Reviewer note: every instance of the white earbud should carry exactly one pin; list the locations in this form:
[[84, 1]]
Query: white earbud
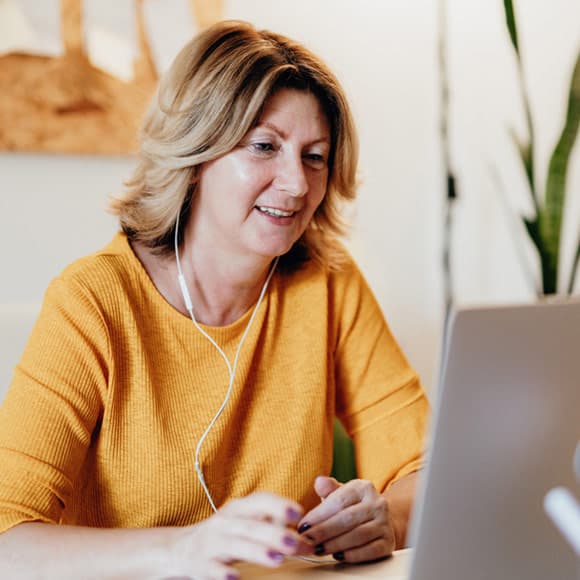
[[564, 511]]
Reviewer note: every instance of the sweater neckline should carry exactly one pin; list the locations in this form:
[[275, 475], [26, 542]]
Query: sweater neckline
[[224, 332]]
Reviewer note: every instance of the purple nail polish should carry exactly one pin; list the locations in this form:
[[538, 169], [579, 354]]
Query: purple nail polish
[[319, 549], [338, 556], [232, 577], [275, 556], [290, 541], [292, 515], [305, 526]]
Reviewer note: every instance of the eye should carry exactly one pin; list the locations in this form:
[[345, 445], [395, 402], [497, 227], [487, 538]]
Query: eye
[[263, 147], [316, 160]]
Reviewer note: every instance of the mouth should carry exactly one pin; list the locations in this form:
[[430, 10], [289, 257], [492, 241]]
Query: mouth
[[275, 212]]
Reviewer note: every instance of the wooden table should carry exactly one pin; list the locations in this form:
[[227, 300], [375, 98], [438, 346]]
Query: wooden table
[[394, 568]]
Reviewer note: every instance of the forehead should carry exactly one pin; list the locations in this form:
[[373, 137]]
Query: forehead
[[292, 108]]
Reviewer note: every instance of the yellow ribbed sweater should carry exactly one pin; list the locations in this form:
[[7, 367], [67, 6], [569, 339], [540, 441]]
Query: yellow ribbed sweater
[[115, 388]]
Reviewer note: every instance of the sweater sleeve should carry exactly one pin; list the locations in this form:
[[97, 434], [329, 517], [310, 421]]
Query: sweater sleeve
[[52, 407], [380, 400]]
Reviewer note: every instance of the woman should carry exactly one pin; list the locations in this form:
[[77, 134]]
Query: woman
[[173, 410]]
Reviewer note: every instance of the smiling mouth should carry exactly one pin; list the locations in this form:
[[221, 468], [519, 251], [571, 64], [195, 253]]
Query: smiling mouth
[[280, 213]]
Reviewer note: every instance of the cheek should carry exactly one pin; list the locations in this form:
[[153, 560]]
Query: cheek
[[247, 174], [314, 203], [233, 174], [319, 192], [239, 170]]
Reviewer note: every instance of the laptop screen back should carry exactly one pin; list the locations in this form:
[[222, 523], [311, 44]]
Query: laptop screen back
[[506, 426]]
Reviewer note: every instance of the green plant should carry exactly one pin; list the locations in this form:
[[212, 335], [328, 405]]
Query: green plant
[[343, 461], [545, 226]]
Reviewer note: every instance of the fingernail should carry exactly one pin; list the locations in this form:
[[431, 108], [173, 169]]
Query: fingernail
[[292, 515], [338, 556], [303, 528], [319, 549], [290, 541], [232, 577], [275, 556]]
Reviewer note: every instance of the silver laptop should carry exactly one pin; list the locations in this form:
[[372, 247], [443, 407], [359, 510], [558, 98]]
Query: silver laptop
[[505, 429]]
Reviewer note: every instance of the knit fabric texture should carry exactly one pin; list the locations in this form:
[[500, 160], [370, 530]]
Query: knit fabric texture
[[116, 387]]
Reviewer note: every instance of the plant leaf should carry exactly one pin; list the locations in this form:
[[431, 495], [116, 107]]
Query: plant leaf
[[533, 229], [549, 277], [510, 21], [550, 220], [574, 271], [517, 230], [523, 148], [525, 152]]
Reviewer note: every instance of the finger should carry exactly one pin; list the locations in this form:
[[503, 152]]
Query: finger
[[375, 550], [270, 536], [217, 570], [265, 506], [246, 550], [341, 498], [355, 538], [324, 486], [343, 522]]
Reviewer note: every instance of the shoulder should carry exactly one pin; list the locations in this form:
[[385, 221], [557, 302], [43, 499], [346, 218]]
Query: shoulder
[[344, 266], [111, 271], [112, 258], [113, 262], [343, 281], [345, 277]]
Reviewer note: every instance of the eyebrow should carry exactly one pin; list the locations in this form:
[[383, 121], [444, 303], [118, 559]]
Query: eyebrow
[[284, 135]]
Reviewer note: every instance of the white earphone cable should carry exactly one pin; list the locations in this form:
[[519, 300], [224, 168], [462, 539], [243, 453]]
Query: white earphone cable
[[231, 367]]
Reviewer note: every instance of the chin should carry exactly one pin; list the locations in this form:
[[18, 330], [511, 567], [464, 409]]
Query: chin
[[269, 245], [274, 250]]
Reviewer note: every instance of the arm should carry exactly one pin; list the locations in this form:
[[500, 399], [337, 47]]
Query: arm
[[47, 423], [400, 497], [69, 552], [252, 529], [380, 402]]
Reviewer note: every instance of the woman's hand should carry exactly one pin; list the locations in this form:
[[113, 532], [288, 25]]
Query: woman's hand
[[251, 529], [353, 522]]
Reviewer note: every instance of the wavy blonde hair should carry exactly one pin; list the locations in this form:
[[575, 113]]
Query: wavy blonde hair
[[211, 96]]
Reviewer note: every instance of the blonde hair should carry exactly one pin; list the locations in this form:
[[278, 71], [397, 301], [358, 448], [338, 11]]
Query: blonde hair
[[211, 96]]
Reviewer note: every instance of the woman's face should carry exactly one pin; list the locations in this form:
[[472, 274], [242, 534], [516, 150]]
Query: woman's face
[[258, 198]]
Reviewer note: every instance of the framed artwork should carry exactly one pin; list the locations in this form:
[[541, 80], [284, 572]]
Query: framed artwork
[[84, 88]]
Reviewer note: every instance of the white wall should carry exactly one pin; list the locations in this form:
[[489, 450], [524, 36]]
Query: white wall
[[485, 102], [52, 210], [52, 207]]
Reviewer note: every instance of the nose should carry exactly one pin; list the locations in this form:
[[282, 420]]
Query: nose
[[291, 177]]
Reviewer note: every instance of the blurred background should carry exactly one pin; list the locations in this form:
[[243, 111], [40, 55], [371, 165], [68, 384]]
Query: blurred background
[[387, 53]]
